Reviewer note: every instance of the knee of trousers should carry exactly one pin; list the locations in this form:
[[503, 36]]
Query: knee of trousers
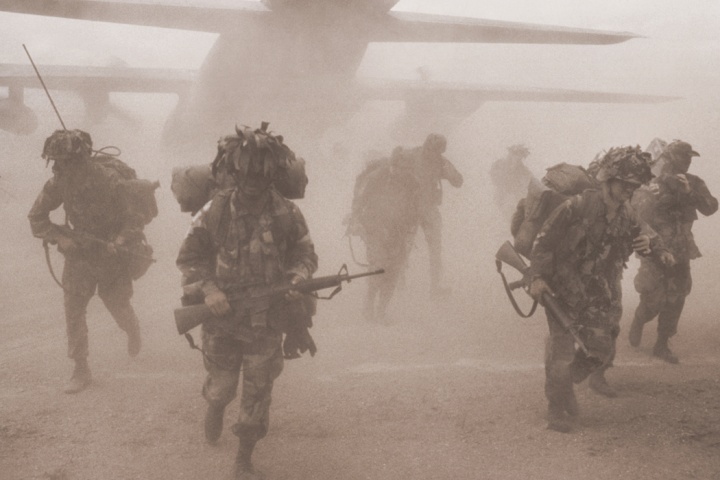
[[220, 387]]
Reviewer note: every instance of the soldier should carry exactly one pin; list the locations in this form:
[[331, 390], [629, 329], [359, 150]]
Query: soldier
[[248, 237], [384, 214], [431, 167], [103, 223], [510, 178], [670, 206], [578, 257]]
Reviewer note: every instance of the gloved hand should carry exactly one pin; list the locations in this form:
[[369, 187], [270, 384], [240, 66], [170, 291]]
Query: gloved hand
[[218, 303], [66, 244], [298, 341], [538, 287], [641, 244]]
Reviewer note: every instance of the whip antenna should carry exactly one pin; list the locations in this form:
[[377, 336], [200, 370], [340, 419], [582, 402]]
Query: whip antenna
[[44, 87]]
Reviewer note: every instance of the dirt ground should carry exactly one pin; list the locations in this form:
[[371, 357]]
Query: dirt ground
[[447, 391]]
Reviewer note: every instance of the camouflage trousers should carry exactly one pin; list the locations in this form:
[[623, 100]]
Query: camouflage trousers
[[566, 365], [662, 294], [81, 277], [259, 362]]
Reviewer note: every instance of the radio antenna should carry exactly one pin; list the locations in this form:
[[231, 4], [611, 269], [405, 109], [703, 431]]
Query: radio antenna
[[44, 87]]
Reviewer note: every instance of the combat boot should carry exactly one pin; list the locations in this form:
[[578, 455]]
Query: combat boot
[[663, 352], [557, 420], [243, 466], [636, 330], [571, 405], [214, 422], [81, 377], [599, 384], [134, 340]]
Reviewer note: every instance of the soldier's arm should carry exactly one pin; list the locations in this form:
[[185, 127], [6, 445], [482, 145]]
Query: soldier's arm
[[48, 200], [196, 259], [451, 174], [701, 197], [542, 258], [301, 259]]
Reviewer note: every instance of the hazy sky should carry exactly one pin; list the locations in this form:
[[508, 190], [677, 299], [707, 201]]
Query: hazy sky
[[678, 56]]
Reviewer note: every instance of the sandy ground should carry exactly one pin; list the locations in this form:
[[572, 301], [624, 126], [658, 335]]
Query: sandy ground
[[449, 390]]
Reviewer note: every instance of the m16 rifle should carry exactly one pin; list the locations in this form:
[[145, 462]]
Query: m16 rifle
[[507, 254], [188, 317]]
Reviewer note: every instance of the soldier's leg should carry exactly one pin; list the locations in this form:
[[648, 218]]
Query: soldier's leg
[[79, 286], [679, 286], [650, 284], [223, 357], [262, 364], [431, 224], [559, 352], [115, 289]]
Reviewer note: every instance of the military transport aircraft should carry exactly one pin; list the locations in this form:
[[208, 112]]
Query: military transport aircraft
[[291, 61]]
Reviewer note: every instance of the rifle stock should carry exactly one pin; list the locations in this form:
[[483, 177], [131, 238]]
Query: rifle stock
[[189, 317], [508, 255]]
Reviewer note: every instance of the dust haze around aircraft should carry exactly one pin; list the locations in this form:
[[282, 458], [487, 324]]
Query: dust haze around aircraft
[[305, 64]]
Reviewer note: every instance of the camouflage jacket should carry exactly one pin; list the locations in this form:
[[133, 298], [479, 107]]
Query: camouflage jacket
[[581, 254], [671, 211], [94, 200], [230, 248]]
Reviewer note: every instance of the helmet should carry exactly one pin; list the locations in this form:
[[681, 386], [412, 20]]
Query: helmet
[[435, 143], [629, 164], [252, 151], [519, 150], [67, 143], [680, 149]]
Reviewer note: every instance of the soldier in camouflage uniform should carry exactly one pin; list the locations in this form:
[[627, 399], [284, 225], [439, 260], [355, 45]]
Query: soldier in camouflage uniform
[[510, 178], [96, 208], [670, 206], [578, 257], [246, 238], [431, 168]]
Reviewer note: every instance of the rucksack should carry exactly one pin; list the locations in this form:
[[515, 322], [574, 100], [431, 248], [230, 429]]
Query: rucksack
[[140, 195], [559, 183]]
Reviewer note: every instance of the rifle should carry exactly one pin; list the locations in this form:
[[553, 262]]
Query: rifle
[[507, 254], [86, 239], [187, 318]]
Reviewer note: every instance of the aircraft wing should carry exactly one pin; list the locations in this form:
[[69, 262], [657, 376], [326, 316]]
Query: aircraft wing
[[110, 79], [417, 27], [465, 93], [373, 26]]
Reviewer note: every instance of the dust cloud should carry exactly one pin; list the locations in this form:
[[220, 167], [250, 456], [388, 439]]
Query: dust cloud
[[476, 324]]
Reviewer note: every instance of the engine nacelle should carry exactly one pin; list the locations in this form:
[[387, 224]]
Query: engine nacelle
[[16, 117]]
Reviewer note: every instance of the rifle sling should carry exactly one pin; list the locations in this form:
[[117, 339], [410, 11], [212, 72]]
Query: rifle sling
[[512, 298], [49, 264]]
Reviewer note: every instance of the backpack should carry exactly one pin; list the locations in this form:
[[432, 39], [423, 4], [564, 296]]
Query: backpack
[[140, 195], [559, 183]]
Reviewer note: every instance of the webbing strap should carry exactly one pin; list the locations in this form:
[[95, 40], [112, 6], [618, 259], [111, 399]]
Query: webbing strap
[[508, 290]]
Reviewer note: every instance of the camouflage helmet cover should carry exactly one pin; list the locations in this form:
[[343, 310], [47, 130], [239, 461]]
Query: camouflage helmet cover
[[629, 164], [67, 143], [519, 149], [257, 151]]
